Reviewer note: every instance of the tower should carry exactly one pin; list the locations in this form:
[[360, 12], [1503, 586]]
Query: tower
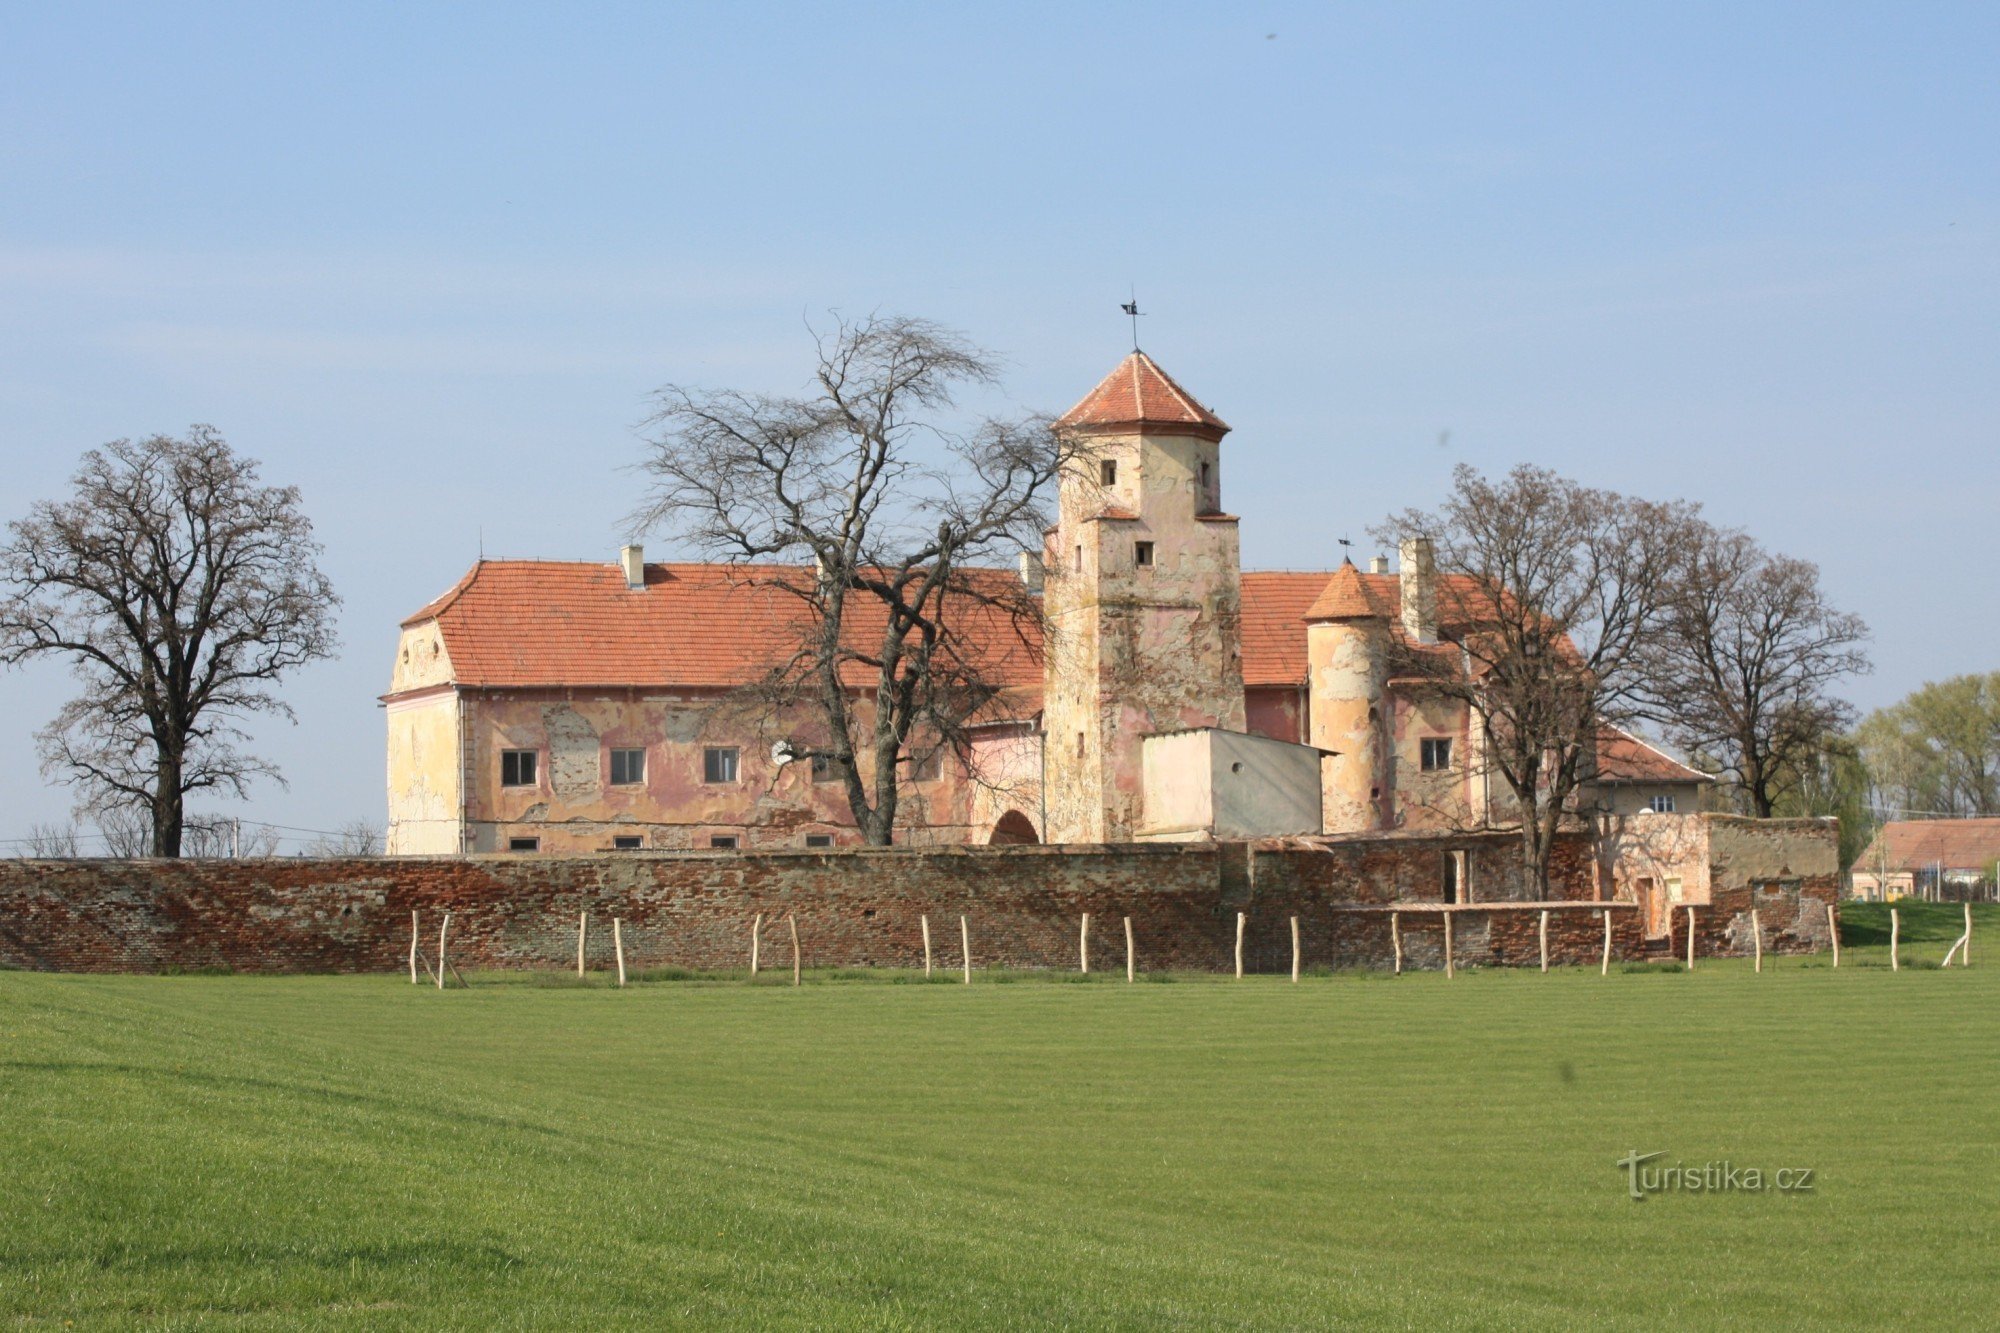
[[1347, 637], [1142, 597]]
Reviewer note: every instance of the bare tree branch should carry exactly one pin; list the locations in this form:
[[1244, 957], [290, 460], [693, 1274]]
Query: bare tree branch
[[887, 520]]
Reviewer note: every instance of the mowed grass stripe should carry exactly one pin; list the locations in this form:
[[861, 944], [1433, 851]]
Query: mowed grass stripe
[[355, 1152]]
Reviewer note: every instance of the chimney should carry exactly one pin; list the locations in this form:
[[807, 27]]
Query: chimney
[[1031, 571], [632, 559], [1378, 564], [1419, 571]]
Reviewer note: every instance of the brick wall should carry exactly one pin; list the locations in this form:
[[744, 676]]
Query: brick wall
[[854, 908]]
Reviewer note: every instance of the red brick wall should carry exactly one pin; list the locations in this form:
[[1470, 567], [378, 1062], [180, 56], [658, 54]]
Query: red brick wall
[[854, 908]]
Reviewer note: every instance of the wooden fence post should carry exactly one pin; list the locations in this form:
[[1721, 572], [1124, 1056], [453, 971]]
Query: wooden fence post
[[1604, 970], [1396, 939], [1129, 965], [1833, 932], [1545, 939], [1690, 939], [1757, 938], [927, 946], [1295, 949], [756, 942], [618, 946], [1447, 944], [965, 948], [1962, 942], [582, 925], [1239, 946], [793, 921], [1895, 938], [1083, 944], [442, 928], [413, 946]]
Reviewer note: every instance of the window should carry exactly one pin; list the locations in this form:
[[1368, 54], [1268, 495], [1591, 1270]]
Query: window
[[825, 768], [1204, 476], [524, 844], [1436, 755], [517, 769], [1662, 805], [723, 842], [1449, 875], [628, 768], [1107, 472], [1079, 559], [627, 844], [718, 764], [1674, 888], [1142, 554], [925, 766], [819, 840], [1079, 745]]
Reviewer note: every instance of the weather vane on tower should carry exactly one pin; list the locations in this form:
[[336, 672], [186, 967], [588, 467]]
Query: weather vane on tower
[[1131, 308]]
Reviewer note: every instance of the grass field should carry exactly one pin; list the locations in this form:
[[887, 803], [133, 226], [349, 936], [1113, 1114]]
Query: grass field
[[356, 1153]]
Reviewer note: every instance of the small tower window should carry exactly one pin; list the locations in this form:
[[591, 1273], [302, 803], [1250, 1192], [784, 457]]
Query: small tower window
[[1107, 472], [1204, 476], [1079, 559], [1142, 554]]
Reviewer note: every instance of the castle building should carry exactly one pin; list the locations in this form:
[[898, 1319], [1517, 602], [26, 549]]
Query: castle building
[[1164, 694]]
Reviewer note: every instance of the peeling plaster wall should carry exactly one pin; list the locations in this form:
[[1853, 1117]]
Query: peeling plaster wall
[[1134, 650], [1645, 853], [1437, 800], [1345, 660], [573, 806], [425, 778], [1276, 711]]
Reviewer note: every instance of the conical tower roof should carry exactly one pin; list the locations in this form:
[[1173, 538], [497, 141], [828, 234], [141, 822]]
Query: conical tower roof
[[1347, 596], [1139, 395]]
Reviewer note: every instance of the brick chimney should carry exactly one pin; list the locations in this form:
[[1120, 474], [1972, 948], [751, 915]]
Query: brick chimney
[[1419, 573], [632, 559]]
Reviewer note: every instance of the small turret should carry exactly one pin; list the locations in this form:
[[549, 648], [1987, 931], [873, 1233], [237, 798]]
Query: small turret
[[1347, 637]]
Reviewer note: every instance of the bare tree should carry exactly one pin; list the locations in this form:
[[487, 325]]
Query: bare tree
[[180, 590], [1556, 588], [357, 837], [885, 509], [126, 832], [1742, 665], [56, 842]]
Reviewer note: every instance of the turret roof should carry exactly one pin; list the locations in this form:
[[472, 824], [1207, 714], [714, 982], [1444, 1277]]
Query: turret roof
[[1139, 393], [1348, 596]]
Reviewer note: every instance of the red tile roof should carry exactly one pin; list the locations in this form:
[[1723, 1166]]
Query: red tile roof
[[529, 623], [1623, 757], [535, 623], [1139, 393], [1919, 844]]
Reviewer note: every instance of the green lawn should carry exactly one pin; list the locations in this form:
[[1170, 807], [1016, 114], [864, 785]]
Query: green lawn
[[355, 1152]]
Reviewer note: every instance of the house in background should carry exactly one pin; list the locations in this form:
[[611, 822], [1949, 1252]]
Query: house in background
[[1947, 859]]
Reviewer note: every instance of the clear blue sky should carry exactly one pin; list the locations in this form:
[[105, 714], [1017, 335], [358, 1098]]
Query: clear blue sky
[[426, 262]]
